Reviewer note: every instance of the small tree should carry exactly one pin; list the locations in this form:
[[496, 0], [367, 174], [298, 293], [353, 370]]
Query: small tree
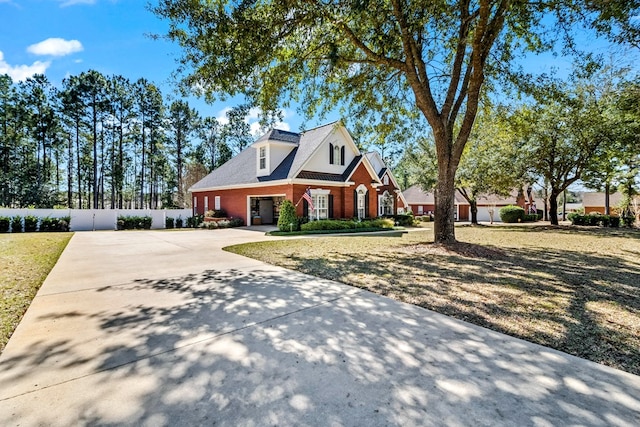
[[287, 219]]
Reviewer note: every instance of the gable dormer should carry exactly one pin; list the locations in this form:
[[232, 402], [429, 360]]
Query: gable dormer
[[272, 149]]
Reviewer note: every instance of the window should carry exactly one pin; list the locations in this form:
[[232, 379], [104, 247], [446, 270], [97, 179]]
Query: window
[[206, 203], [336, 154], [362, 194], [385, 203], [216, 203], [385, 180], [320, 206], [263, 157], [420, 209]]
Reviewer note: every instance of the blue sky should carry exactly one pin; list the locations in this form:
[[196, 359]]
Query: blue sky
[[66, 37], [59, 38]]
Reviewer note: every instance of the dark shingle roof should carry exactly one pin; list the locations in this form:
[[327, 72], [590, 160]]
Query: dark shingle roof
[[321, 176], [280, 135]]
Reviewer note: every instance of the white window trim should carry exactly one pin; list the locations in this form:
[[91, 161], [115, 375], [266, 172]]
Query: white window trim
[[206, 203], [361, 204], [262, 155], [316, 194], [216, 203]]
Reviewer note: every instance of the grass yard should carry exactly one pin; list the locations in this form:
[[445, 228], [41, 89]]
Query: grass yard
[[575, 290], [25, 261]]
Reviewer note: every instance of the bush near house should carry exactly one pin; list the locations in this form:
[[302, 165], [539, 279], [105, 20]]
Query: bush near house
[[530, 218], [216, 213], [334, 224], [179, 222], [225, 223], [403, 220], [288, 221], [169, 222], [512, 214]]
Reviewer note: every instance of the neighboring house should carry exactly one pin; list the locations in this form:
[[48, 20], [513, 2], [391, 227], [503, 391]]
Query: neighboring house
[[594, 202], [423, 203], [281, 165]]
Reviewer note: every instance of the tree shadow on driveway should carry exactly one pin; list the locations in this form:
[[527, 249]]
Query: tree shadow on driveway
[[272, 346]]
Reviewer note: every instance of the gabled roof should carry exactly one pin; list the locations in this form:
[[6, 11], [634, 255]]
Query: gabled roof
[[596, 199], [240, 170]]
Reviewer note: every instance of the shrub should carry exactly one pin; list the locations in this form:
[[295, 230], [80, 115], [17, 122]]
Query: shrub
[[236, 222], [49, 224], [628, 220], [134, 222], [5, 224], [403, 220], [30, 223], [336, 224], [169, 222], [614, 222], [530, 218], [16, 224], [383, 223], [179, 222], [195, 221], [288, 220], [216, 213], [511, 214]]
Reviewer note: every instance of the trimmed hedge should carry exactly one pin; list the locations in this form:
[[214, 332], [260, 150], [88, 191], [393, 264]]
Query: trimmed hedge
[[594, 220], [512, 214], [134, 222], [225, 223], [169, 222], [179, 222], [530, 218], [287, 221], [49, 224], [16, 224], [30, 223], [335, 224]]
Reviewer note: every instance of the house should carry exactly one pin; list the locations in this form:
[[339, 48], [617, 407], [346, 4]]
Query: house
[[594, 202], [282, 165], [391, 201], [423, 203]]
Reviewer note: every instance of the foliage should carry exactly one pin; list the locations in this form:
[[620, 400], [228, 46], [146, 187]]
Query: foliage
[[216, 213], [179, 222], [225, 223], [134, 222], [594, 219], [169, 222], [403, 220], [511, 214], [287, 221], [195, 221], [386, 61], [530, 218], [16, 224], [49, 224], [332, 224], [5, 224], [31, 223]]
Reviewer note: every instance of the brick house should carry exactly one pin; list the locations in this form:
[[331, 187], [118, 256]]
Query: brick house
[[282, 165]]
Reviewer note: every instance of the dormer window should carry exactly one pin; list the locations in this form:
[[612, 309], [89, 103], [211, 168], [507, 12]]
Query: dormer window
[[336, 154], [263, 157]]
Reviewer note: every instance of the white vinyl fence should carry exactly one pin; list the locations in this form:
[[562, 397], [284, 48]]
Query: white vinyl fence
[[101, 219]]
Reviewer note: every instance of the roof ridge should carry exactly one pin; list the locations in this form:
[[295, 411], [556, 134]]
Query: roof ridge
[[320, 126]]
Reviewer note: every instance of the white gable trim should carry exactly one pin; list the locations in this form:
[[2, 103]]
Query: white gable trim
[[369, 168]]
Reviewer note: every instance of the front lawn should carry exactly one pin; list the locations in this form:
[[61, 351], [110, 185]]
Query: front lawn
[[25, 261], [571, 289]]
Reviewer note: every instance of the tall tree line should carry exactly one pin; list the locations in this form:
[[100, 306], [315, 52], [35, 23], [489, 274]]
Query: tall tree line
[[106, 142]]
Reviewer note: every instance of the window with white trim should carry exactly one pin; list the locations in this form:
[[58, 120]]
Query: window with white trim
[[420, 210], [361, 203], [320, 206], [385, 180], [216, 203], [385, 203], [206, 203], [263, 157]]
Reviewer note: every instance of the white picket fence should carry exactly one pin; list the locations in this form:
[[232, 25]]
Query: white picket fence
[[101, 219]]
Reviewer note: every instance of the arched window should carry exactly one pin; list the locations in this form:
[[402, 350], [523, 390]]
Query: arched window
[[385, 203]]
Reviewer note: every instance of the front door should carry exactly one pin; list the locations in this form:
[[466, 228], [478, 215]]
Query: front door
[[266, 211]]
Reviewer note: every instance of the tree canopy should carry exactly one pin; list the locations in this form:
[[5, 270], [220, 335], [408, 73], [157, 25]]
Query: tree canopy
[[377, 60]]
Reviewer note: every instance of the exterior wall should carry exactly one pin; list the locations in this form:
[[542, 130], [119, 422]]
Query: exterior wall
[[464, 213], [600, 210], [234, 201], [320, 160], [392, 190], [425, 209]]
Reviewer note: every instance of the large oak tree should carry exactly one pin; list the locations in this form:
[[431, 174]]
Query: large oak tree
[[378, 58]]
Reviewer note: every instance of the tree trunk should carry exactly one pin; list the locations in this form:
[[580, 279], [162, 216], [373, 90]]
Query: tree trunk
[[607, 191], [553, 206], [473, 207], [444, 226], [70, 174]]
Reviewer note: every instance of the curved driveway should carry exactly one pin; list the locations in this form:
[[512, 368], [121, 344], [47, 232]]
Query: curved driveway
[[164, 328]]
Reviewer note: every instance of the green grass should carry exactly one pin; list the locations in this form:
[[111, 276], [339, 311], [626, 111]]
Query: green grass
[[571, 289], [25, 261]]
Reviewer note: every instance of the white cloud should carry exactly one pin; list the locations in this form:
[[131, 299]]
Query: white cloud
[[65, 3], [253, 118], [55, 46], [22, 72]]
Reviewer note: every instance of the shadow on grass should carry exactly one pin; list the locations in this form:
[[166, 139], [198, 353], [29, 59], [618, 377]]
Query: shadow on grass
[[272, 346], [583, 304]]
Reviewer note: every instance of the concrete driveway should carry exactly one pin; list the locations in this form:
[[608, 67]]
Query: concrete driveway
[[163, 328]]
